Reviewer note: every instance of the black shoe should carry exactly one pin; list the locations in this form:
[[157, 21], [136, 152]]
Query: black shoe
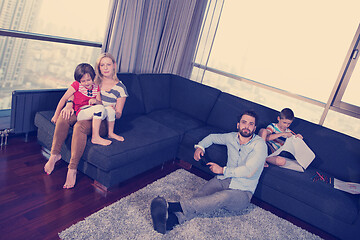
[[159, 214]]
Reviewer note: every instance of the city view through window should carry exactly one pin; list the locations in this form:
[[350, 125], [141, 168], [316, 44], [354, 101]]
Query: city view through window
[[33, 64]]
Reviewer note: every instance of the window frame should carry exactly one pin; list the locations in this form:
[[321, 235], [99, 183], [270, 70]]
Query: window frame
[[335, 102], [47, 38]]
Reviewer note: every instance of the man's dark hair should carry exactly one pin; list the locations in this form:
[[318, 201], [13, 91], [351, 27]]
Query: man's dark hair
[[82, 69], [250, 113], [287, 113]]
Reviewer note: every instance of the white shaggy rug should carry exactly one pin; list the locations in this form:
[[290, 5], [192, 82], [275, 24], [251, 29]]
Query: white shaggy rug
[[129, 218]]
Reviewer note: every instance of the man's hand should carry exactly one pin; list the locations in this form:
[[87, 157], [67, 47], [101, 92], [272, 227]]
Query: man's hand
[[215, 168], [198, 154]]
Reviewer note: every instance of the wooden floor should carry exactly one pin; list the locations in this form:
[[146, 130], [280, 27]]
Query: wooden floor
[[34, 205]]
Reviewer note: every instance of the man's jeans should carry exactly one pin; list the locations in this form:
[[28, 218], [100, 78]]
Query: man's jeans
[[215, 194]]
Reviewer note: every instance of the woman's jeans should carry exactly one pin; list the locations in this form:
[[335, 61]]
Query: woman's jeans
[[81, 130]]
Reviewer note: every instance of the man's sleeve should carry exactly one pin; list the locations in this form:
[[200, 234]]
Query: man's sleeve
[[212, 139]]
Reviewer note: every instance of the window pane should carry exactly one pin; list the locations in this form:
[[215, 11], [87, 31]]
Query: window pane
[[297, 46], [343, 123], [80, 19], [208, 30], [351, 94], [31, 64], [264, 97]]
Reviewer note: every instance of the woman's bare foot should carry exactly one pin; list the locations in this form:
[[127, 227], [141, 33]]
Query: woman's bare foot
[[116, 137], [50, 164], [100, 141], [70, 179]]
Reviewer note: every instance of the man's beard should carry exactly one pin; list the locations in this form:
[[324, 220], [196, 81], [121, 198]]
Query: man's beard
[[248, 133]]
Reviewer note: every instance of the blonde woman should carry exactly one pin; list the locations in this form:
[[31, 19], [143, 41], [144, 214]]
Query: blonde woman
[[105, 75], [113, 92]]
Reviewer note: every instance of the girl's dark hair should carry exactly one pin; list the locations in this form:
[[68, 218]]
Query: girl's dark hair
[[82, 69], [287, 113]]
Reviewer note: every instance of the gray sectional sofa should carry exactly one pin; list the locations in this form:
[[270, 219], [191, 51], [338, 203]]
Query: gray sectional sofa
[[165, 115]]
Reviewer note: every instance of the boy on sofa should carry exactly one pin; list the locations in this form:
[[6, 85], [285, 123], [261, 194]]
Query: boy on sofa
[[276, 134]]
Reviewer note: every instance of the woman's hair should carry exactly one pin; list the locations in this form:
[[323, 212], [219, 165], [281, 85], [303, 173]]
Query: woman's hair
[[98, 77], [82, 69]]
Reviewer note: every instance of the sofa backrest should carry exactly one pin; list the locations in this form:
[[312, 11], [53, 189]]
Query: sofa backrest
[[155, 91], [228, 108], [336, 153], [134, 103], [192, 98]]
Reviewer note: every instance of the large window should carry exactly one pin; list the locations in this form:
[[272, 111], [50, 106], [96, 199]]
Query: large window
[[66, 33], [282, 54]]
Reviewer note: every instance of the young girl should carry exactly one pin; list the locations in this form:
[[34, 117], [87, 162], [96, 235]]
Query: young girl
[[113, 91], [82, 92], [85, 92]]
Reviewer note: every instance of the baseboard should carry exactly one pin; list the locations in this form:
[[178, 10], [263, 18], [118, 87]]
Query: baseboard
[[184, 164]]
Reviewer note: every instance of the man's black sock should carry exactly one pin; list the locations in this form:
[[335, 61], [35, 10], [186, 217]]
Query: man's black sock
[[171, 221], [174, 207]]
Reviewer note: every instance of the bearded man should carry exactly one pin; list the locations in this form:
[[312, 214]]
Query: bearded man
[[233, 186]]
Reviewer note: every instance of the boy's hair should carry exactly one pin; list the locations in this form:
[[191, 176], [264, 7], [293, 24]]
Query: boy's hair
[[99, 76], [250, 113], [82, 69], [287, 113]]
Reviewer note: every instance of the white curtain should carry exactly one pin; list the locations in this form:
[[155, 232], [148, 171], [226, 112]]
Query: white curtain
[[156, 36]]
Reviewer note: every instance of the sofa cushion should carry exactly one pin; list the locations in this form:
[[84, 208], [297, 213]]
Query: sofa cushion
[[228, 108], [155, 91], [134, 102], [317, 194], [143, 136], [192, 98], [175, 120]]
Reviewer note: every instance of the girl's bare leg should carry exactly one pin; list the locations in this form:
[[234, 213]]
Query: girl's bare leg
[[96, 138], [111, 133]]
